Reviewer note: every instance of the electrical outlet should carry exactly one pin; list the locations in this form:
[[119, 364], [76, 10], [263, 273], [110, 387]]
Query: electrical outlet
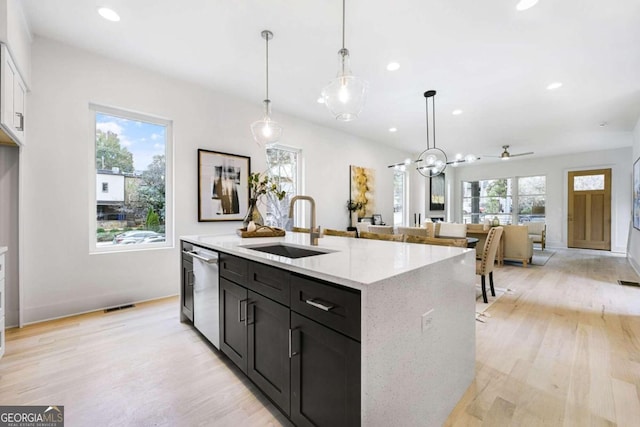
[[427, 320]]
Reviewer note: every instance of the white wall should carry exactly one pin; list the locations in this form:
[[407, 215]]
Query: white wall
[[59, 276], [633, 248], [556, 169]]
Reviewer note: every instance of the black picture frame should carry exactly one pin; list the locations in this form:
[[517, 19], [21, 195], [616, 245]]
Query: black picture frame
[[436, 192], [223, 186], [636, 194]]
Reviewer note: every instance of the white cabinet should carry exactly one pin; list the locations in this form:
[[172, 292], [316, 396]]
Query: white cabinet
[[13, 93], [2, 267]]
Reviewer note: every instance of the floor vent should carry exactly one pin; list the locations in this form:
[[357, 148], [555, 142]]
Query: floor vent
[[627, 283], [122, 307]]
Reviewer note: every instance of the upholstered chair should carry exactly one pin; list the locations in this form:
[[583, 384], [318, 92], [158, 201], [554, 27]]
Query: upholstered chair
[[485, 265], [380, 229], [341, 233], [413, 231], [518, 246], [450, 229], [376, 236], [461, 243], [538, 232]]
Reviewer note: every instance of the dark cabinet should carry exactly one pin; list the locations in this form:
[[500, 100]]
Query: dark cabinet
[[295, 337], [233, 322], [268, 348], [186, 282]]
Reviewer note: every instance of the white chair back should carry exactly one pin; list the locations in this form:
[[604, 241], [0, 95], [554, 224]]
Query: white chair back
[[380, 229], [448, 229]]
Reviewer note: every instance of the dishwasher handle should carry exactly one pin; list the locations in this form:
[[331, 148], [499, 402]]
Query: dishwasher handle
[[195, 254]]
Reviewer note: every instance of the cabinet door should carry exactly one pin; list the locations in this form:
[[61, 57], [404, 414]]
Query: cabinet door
[[233, 322], [325, 376], [13, 92], [186, 294], [268, 348]]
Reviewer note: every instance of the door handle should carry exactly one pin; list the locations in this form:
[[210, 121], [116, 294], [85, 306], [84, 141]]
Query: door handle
[[294, 342], [240, 319]]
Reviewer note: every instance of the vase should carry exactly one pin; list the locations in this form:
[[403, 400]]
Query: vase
[[253, 214]]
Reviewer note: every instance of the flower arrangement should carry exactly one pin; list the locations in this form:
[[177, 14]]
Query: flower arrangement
[[261, 184]]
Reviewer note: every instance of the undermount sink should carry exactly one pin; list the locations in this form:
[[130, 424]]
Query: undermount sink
[[288, 251]]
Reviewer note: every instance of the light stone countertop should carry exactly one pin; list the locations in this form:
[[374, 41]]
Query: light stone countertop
[[3, 249], [353, 262]]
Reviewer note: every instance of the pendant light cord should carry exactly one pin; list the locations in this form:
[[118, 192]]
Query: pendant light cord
[[343, 20], [267, 79], [427, 117], [433, 110]]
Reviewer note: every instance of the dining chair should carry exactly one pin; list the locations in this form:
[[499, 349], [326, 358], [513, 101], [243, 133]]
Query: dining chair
[[450, 229], [460, 243], [414, 231], [377, 236], [380, 229], [486, 264], [341, 233]]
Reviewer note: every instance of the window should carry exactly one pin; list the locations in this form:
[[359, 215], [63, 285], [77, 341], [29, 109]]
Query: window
[[531, 198], [588, 182], [487, 199], [283, 165], [495, 198], [131, 165], [399, 197]]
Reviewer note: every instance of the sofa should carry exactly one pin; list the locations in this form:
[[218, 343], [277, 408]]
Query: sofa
[[518, 246], [538, 232]]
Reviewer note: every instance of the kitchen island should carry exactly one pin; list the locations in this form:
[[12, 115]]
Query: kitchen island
[[417, 317]]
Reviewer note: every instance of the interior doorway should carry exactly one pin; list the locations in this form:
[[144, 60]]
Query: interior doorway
[[589, 210]]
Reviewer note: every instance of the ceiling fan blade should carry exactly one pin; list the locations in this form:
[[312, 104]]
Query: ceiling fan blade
[[521, 154]]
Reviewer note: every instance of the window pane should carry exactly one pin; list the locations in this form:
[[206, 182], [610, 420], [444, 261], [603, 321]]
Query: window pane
[[130, 181], [398, 197], [282, 164], [588, 182], [487, 198], [531, 198]]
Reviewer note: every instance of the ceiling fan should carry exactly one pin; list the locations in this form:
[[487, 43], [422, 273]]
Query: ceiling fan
[[506, 155]]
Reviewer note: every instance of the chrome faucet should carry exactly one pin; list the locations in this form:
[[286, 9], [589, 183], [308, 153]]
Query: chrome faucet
[[313, 232]]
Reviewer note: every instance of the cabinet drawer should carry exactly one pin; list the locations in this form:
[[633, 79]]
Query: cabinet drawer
[[269, 281], [233, 268], [336, 308]]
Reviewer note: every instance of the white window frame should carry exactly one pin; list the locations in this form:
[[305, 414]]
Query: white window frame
[[169, 180], [405, 198]]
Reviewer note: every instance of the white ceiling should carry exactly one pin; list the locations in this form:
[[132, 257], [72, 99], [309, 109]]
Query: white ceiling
[[483, 57]]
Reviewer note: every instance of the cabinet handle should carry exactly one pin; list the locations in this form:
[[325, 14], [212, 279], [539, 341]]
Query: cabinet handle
[[21, 117], [292, 352], [240, 319], [251, 309], [319, 305]]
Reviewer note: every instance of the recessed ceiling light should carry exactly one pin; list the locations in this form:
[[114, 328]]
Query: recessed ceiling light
[[109, 14], [603, 124], [393, 66], [393, 129], [320, 100], [526, 4], [554, 85], [456, 112]]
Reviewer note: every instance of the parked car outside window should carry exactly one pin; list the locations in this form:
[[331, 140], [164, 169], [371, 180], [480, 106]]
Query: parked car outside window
[[136, 236]]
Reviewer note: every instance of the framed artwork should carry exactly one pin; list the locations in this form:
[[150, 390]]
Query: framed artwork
[[636, 194], [436, 192], [223, 186], [362, 189]]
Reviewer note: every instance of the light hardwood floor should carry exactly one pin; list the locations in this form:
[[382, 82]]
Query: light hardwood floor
[[562, 350]]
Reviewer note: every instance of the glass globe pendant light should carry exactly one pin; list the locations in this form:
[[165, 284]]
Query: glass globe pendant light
[[266, 131], [433, 161], [344, 96]]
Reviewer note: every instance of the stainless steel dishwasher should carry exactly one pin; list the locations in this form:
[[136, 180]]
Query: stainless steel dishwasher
[[205, 293]]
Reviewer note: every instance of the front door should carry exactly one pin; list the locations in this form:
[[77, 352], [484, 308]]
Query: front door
[[589, 211]]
